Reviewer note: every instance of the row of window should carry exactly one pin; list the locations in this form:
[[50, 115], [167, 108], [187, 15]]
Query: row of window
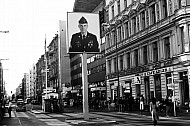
[[89, 60], [76, 76], [163, 6], [137, 22], [95, 57], [97, 69], [140, 56]]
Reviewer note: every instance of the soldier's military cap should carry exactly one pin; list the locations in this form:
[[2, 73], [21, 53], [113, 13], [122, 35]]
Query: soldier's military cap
[[83, 20]]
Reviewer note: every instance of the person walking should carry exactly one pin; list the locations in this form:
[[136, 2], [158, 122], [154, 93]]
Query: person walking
[[120, 104], [168, 105], [10, 108], [109, 103], [153, 111], [141, 104]]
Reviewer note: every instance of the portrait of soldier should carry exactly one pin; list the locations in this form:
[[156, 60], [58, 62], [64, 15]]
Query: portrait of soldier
[[83, 41]]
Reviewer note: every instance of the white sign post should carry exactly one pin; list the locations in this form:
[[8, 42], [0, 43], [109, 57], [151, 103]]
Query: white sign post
[[85, 86]]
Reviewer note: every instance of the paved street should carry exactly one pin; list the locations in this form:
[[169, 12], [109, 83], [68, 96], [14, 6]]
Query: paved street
[[39, 118]]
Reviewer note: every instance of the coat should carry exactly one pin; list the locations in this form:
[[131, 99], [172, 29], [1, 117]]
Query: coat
[[88, 44]]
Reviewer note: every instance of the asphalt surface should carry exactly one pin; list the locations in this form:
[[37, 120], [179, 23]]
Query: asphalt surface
[[74, 116]]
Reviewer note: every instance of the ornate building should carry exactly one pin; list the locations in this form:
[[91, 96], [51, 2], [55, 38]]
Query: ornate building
[[147, 49]]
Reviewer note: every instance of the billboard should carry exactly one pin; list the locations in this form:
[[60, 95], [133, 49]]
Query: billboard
[[83, 33]]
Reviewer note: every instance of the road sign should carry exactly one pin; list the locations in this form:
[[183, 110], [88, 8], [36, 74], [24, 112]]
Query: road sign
[[137, 80]]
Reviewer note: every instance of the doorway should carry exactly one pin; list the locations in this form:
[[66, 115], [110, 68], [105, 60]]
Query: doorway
[[184, 87], [157, 82], [147, 90]]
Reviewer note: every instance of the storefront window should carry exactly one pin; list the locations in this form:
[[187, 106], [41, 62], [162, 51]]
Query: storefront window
[[168, 81], [157, 83], [184, 87]]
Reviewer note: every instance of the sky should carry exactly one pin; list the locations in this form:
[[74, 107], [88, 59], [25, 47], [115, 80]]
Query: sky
[[28, 22]]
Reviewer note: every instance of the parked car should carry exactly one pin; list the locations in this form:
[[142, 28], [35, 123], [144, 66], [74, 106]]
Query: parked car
[[21, 106]]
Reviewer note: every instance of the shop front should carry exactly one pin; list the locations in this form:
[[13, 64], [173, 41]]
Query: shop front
[[160, 82]]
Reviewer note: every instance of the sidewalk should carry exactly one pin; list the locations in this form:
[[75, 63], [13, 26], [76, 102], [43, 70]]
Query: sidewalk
[[75, 116]]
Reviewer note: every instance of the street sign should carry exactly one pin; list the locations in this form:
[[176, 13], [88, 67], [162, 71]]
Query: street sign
[[137, 80]]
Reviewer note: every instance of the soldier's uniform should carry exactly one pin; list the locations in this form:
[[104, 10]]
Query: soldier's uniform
[[86, 43]]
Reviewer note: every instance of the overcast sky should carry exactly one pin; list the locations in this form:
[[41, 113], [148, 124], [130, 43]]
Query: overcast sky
[[27, 22]]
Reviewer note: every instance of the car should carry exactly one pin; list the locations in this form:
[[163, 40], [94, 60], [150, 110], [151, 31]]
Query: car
[[21, 106]]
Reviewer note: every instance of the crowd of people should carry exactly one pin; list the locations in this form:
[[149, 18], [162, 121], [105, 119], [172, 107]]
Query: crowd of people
[[125, 104]]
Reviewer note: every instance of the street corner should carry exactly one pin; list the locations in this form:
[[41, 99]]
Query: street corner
[[91, 121]]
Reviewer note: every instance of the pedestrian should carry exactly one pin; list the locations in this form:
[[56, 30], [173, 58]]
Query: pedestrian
[[120, 104], [153, 111], [109, 103], [10, 108], [168, 106], [141, 104], [126, 104]]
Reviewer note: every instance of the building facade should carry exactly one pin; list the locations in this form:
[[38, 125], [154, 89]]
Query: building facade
[[53, 75], [1, 82], [147, 49], [64, 60], [40, 78]]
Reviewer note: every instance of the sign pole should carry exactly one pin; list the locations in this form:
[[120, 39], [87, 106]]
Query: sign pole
[[85, 86]]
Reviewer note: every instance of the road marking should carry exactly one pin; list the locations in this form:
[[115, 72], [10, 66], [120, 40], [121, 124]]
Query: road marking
[[54, 122], [57, 115], [21, 114], [42, 116]]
